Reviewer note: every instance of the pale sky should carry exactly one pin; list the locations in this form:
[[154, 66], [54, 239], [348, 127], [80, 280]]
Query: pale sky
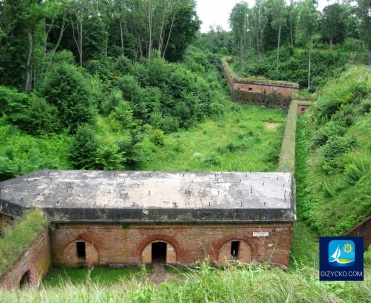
[[216, 12]]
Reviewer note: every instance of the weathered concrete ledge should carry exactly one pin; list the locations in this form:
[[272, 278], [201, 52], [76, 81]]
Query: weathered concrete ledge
[[157, 197]]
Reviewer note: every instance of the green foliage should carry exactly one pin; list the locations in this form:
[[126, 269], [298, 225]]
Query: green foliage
[[17, 238], [223, 143], [12, 103], [109, 157], [158, 138], [84, 149], [238, 283], [336, 178], [133, 150], [8, 169], [294, 66], [66, 88]]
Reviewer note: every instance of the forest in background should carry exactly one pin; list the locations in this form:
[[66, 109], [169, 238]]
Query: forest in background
[[83, 84], [124, 84]]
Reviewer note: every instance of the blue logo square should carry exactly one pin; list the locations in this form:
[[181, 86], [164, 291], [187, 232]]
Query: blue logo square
[[341, 253], [341, 259]]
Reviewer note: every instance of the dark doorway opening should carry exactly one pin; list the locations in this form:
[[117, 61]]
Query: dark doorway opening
[[234, 249], [81, 251], [25, 280], [159, 252]]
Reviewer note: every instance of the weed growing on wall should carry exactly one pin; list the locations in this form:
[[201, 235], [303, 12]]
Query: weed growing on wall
[[18, 238]]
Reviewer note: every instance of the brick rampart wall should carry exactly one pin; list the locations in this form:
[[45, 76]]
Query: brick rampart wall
[[118, 245], [255, 93], [31, 267], [362, 230]]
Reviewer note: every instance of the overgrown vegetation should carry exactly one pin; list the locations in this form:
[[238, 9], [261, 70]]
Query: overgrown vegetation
[[293, 66], [255, 283], [16, 239], [246, 138], [335, 137]]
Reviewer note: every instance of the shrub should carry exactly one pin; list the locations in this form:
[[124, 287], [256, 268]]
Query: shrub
[[109, 157], [355, 171], [158, 137], [84, 147], [66, 88], [212, 159]]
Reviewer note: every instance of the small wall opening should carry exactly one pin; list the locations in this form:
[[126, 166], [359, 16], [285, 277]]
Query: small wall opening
[[25, 280], [234, 250], [81, 250], [159, 252], [250, 89], [235, 245]]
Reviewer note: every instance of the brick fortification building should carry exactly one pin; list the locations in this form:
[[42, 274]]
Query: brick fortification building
[[122, 218]]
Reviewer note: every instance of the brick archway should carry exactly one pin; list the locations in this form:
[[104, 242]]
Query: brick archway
[[217, 245], [69, 254], [174, 250], [234, 250], [80, 253]]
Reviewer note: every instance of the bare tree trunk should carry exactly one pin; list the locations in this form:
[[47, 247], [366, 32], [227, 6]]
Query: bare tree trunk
[[57, 44], [78, 41], [278, 49], [291, 34], [330, 45], [162, 29], [309, 58], [241, 54], [150, 29], [29, 59], [168, 37], [80, 35], [121, 37]]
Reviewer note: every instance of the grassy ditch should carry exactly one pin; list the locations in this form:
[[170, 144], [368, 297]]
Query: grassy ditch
[[246, 138], [254, 283], [17, 239]]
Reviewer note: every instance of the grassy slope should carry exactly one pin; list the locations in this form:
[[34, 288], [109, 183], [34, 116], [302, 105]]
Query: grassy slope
[[245, 139], [336, 133]]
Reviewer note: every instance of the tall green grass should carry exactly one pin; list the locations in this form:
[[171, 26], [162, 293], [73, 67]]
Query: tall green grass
[[334, 142], [254, 283], [246, 138]]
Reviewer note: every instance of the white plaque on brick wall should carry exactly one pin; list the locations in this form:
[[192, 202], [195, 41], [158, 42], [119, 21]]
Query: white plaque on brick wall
[[260, 234]]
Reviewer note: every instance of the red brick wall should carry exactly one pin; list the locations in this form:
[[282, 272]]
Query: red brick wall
[[362, 230], [302, 108], [36, 260], [120, 246], [265, 89], [270, 96]]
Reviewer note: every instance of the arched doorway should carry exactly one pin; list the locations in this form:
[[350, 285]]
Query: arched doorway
[[80, 253], [159, 252], [25, 280], [234, 250]]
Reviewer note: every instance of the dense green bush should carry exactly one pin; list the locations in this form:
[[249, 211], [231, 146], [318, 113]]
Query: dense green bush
[[84, 148], [66, 88]]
